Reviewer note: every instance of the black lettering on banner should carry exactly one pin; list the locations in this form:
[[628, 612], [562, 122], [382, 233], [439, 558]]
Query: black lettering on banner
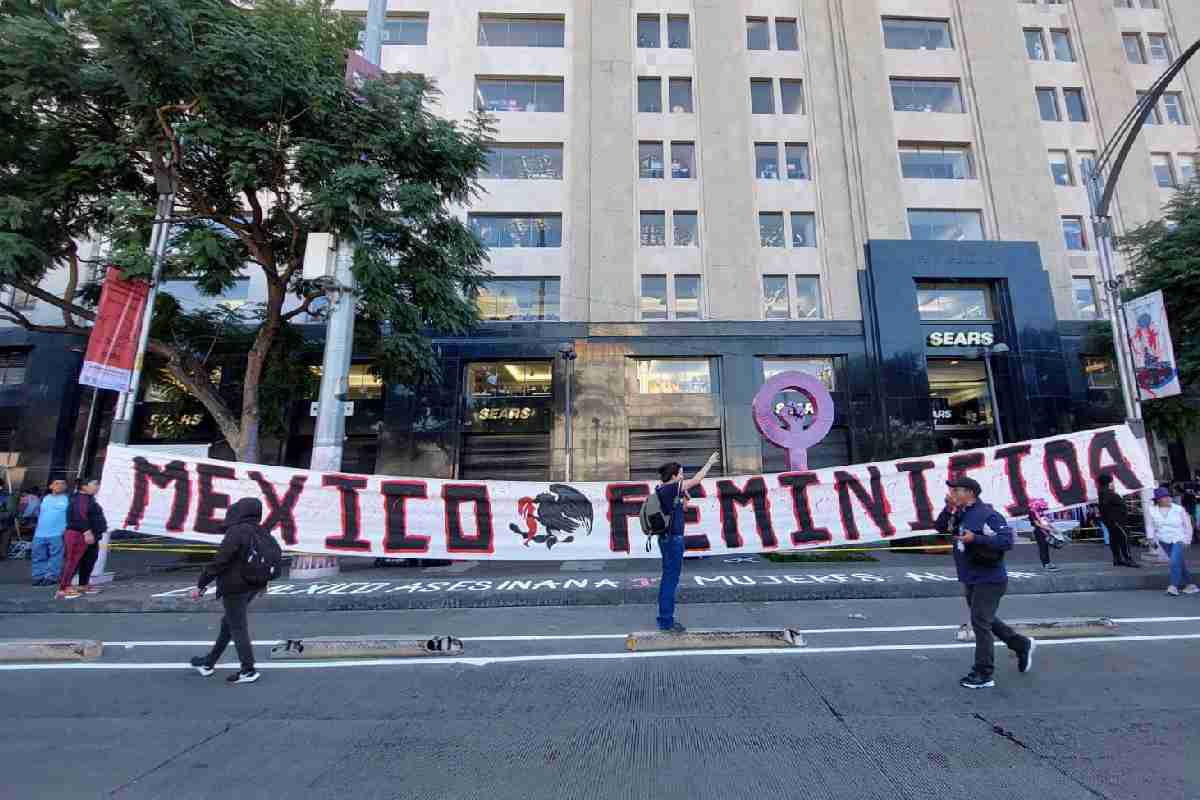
[[1016, 477], [396, 538], [806, 530], [691, 516], [280, 513], [875, 502], [348, 487], [624, 503], [961, 463], [453, 496], [207, 500], [1120, 469], [919, 489], [1061, 452], [144, 474], [754, 494]]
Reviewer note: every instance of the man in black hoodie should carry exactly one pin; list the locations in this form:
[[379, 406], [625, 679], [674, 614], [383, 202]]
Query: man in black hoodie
[[241, 523]]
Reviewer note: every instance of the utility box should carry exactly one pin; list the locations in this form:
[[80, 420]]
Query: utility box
[[320, 257]]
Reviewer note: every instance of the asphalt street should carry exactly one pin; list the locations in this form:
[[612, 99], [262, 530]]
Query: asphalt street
[[547, 703]]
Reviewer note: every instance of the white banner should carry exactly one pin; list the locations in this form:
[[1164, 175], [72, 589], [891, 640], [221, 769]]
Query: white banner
[[380, 516], [1153, 353]]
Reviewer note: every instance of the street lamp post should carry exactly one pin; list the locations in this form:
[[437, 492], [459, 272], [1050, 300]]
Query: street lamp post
[[568, 355]]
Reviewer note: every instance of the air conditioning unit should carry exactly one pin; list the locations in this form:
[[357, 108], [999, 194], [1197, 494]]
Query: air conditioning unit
[[320, 257]]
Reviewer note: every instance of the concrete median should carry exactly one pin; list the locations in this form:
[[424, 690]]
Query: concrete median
[[713, 639], [23, 650], [322, 648], [1068, 628]]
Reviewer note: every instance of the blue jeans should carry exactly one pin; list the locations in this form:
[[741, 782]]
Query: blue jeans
[[1104, 530], [1180, 576], [672, 564], [47, 558]]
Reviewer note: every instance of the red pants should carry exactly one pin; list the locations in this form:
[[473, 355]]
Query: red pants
[[75, 546]]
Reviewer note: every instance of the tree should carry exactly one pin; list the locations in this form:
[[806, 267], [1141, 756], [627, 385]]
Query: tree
[[1165, 254], [240, 110]]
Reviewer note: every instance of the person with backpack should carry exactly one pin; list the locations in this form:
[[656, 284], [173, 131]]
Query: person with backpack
[[247, 560], [666, 522], [85, 526]]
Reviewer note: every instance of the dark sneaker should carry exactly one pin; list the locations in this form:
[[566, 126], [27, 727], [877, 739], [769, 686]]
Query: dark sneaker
[[1025, 656], [243, 677], [201, 666], [1051, 567], [976, 681], [676, 628]]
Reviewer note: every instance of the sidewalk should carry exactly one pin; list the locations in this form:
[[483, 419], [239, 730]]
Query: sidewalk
[[153, 582]]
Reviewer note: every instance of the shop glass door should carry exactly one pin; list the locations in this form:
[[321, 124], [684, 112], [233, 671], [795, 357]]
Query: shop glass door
[[962, 404]]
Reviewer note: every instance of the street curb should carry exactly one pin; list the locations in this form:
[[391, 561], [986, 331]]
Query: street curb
[[329, 648], [25, 650], [1067, 628], [696, 639]]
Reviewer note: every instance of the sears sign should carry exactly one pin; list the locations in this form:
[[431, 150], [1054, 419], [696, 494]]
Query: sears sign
[[961, 339]]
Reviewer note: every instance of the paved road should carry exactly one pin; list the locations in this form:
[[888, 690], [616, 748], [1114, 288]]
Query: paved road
[[870, 709]]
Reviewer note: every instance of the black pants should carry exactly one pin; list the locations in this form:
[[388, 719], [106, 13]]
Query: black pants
[[1043, 545], [88, 562], [1118, 542], [984, 599], [234, 626]]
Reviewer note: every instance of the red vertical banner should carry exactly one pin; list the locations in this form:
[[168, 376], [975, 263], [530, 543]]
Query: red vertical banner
[[112, 346]]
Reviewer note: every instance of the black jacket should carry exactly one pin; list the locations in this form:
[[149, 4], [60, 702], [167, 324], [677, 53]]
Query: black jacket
[[85, 514], [241, 523], [1112, 509]]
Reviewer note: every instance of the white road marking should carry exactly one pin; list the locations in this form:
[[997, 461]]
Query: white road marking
[[621, 656]]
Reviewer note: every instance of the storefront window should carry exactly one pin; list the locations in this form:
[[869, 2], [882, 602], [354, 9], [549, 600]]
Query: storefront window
[[519, 299], [817, 367], [509, 379], [674, 376], [955, 301], [961, 402], [361, 384], [1100, 372]]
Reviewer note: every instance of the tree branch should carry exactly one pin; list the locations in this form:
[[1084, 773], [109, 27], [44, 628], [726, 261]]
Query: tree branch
[[72, 282], [11, 314], [194, 377], [41, 294], [303, 308]]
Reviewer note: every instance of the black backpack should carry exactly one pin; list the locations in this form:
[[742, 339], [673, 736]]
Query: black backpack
[[264, 559]]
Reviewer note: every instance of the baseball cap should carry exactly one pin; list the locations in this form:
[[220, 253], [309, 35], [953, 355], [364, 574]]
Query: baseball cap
[[966, 483], [1161, 492]]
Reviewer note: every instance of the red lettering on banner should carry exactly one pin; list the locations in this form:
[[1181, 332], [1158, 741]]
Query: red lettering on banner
[[1016, 477], [1120, 469], [919, 490], [144, 474], [281, 513], [453, 496], [207, 500], [624, 502], [691, 516], [806, 530], [348, 487], [753, 494], [961, 463], [875, 503], [396, 538]]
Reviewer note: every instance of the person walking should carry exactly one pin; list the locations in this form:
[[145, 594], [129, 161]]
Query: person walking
[[1116, 520], [673, 495], [1043, 532], [1172, 527], [241, 526], [85, 526], [981, 538], [48, 535]]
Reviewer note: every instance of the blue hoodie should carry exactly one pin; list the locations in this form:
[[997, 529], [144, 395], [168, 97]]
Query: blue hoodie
[[991, 533]]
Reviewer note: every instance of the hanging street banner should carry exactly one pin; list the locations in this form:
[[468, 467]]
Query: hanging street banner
[[381, 516], [1154, 363], [112, 345]]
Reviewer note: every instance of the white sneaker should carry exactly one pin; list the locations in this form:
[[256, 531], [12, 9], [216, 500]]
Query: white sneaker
[[1173, 591], [1191, 588], [243, 677]]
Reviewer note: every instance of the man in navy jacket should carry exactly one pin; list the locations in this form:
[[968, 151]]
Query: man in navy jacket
[[981, 538]]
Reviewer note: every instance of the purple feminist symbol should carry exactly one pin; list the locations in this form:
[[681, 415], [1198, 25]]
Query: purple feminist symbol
[[784, 425]]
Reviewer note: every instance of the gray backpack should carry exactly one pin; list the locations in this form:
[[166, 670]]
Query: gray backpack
[[654, 520]]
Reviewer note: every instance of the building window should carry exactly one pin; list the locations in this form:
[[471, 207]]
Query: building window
[[808, 297], [1160, 48], [1076, 108], [820, 368], [1100, 372], [1086, 304], [683, 160], [758, 33], [648, 31], [787, 34], [1035, 45], [1163, 174], [942, 96], [804, 229], [936, 161], [1134, 53], [796, 157], [686, 225], [519, 299], [687, 297], [791, 95], [12, 367], [519, 94], [955, 302], [1187, 168], [517, 230], [1063, 51], [650, 95], [916, 34], [21, 299], [506, 31], [509, 379], [1048, 105], [650, 160], [680, 91], [674, 376], [946, 226], [410, 29], [762, 96], [770, 229], [1173, 104], [1073, 234], [1060, 168], [1087, 164], [1155, 116], [654, 297], [766, 160], [362, 384], [190, 297], [654, 228], [524, 162], [679, 35], [776, 304]]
